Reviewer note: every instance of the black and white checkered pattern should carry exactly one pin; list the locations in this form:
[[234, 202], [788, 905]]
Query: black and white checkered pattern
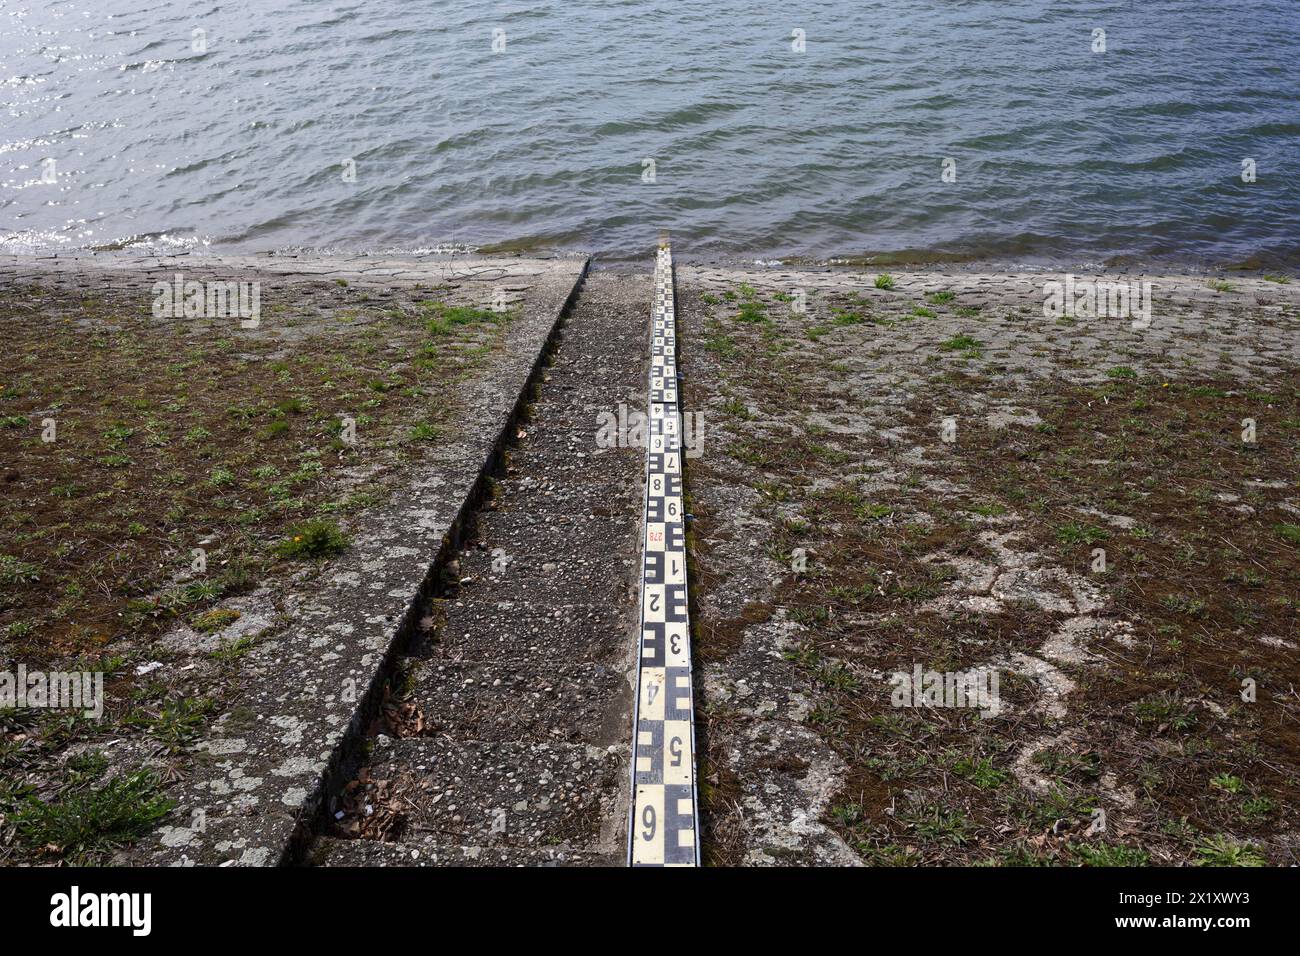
[[663, 829]]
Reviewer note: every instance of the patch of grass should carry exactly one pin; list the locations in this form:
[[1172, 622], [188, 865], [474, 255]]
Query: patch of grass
[[723, 346], [318, 538], [1257, 809], [233, 650], [85, 824], [424, 432], [1279, 279], [1109, 854], [275, 429], [14, 572], [1288, 532], [884, 281], [14, 421], [215, 620], [981, 773], [735, 408], [849, 317], [867, 511], [443, 318], [963, 342], [940, 298], [179, 722], [1073, 533], [1226, 781], [1222, 850], [921, 312], [1218, 285], [940, 825], [1183, 604], [1121, 371], [1164, 708]]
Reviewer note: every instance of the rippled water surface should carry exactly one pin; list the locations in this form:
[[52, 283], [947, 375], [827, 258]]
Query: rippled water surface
[[760, 151]]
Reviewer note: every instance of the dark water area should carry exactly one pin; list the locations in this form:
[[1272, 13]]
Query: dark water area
[[528, 127]]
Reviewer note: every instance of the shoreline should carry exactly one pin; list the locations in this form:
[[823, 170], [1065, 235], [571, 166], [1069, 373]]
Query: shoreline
[[917, 261]]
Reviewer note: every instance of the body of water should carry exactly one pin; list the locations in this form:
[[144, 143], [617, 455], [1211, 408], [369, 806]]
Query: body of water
[[991, 130]]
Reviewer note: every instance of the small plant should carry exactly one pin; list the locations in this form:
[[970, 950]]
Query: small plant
[[867, 511], [318, 538], [810, 614], [847, 815], [1289, 532], [884, 281], [1221, 850], [1228, 782], [215, 620], [1255, 810], [837, 676], [1218, 285], [1164, 709], [964, 343], [230, 651], [179, 722], [1106, 854], [1121, 371], [14, 571], [940, 825], [981, 773], [424, 432], [118, 434], [1183, 604], [1072, 533], [939, 298]]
